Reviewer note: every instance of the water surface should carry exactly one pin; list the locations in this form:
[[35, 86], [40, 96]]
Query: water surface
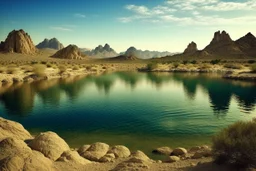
[[139, 110]]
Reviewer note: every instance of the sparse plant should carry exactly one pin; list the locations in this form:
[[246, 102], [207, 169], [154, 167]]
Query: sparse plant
[[233, 66], [2, 69], [12, 70], [62, 69], [251, 61], [184, 62], [176, 64], [236, 145], [76, 67], [39, 69], [193, 62], [253, 68], [215, 61], [151, 66], [27, 68]]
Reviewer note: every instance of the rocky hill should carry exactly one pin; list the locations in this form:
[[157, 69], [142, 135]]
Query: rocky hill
[[52, 44], [223, 45], [247, 44], [191, 48], [102, 52], [69, 52], [18, 42], [132, 51]]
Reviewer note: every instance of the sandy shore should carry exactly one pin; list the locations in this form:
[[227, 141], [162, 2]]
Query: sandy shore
[[19, 150]]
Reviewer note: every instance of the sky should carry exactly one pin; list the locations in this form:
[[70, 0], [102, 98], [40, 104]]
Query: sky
[[162, 25]]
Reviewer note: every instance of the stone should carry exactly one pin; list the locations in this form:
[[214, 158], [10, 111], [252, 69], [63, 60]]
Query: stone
[[202, 153], [69, 52], [194, 149], [50, 144], [13, 129], [179, 151], [120, 151], [73, 156], [163, 151], [107, 158], [83, 148], [19, 42], [96, 151], [173, 159]]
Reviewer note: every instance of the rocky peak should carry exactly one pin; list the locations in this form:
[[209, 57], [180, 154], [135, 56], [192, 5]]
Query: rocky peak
[[107, 47], [52, 44], [247, 44], [191, 48], [19, 42], [70, 52], [221, 37]]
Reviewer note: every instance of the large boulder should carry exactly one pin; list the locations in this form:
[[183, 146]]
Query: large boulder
[[120, 151], [96, 151], [179, 151], [50, 144], [163, 151], [13, 129], [19, 42], [83, 148], [73, 156]]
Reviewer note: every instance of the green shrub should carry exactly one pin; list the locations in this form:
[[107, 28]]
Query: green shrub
[[193, 62], [184, 62], [251, 61], [176, 64], [215, 61], [62, 69], [253, 68], [233, 66], [152, 66], [39, 69], [236, 145]]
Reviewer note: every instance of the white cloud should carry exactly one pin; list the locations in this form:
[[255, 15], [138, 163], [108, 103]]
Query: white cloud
[[125, 19], [138, 9], [231, 6], [78, 15], [60, 28]]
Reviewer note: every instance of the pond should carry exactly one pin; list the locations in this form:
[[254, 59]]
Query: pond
[[140, 110]]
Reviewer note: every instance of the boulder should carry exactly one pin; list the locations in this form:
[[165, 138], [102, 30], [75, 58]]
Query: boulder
[[163, 151], [13, 129], [194, 149], [12, 163], [50, 144], [173, 159], [96, 151], [202, 153], [83, 149], [109, 157], [120, 151], [73, 156], [179, 151], [19, 42]]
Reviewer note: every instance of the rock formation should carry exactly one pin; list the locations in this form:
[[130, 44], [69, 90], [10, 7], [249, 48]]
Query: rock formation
[[52, 44], [132, 51], [19, 42], [223, 45], [102, 52], [13, 129], [247, 44], [191, 48], [69, 52]]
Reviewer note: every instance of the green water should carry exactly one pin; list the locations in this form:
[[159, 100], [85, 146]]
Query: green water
[[140, 110]]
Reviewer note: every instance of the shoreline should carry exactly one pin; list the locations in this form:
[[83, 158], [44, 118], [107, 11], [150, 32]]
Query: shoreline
[[54, 151]]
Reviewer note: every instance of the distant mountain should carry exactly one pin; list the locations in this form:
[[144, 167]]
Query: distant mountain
[[52, 44], [125, 58], [102, 52], [132, 51], [69, 52], [18, 41], [82, 50], [223, 45], [247, 44]]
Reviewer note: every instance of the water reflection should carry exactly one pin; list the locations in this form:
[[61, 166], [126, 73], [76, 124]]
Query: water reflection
[[19, 99]]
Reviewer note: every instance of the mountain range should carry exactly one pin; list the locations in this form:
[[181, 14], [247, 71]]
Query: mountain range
[[51, 44], [101, 52]]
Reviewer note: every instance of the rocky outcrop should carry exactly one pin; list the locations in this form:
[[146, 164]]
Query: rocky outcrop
[[223, 45], [102, 52], [52, 44], [132, 51], [19, 42], [163, 151], [69, 52], [247, 44], [13, 129], [120, 151], [191, 48], [179, 151], [50, 144], [74, 157]]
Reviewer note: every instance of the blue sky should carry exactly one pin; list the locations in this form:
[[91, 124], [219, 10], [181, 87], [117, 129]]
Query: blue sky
[[164, 25]]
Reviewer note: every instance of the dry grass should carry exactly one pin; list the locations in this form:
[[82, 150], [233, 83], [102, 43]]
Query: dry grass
[[39, 69]]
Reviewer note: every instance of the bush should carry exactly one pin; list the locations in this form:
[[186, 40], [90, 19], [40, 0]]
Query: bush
[[233, 66], [216, 61], [62, 69], [253, 68], [39, 69], [251, 61], [176, 64], [76, 67], [152, 66], [236, 145], [12, 70], [193, 62]]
